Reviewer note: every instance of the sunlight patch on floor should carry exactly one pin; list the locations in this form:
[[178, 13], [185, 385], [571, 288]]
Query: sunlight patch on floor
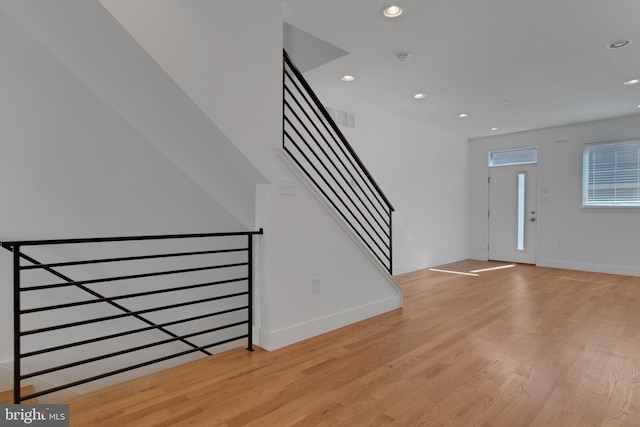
[[500, 267], [470, 269], [453, 272]]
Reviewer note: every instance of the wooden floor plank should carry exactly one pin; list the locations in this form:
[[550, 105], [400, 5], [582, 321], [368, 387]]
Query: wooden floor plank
[[504, 346], [6, 397]]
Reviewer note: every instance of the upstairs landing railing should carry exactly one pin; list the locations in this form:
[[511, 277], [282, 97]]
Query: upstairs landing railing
[[131, 299], [315, 143]]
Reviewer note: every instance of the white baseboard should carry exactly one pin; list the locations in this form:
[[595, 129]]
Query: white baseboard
[[407, 268], [449, 259], [479, 256], [42, 383], [410, 268], [273, 340], [596, 268]]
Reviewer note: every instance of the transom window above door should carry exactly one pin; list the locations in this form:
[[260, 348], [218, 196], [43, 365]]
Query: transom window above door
[[516, 156]]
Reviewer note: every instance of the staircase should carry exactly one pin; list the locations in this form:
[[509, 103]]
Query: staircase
[[313, 141], [125, 87]]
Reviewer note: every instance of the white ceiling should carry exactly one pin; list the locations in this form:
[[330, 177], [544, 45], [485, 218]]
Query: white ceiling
[[547, 58]]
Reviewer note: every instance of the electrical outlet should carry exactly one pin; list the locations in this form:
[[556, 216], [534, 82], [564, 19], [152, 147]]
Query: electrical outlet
[[315, 285]]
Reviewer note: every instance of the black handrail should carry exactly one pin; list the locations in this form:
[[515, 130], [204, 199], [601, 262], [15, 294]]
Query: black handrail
[[317, 146], [337, 143], [125, 238], [226, 267], [335, 140], [322, 151], [326, 115]]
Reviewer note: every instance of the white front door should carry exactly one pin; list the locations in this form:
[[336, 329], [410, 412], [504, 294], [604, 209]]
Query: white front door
[[513, 213]]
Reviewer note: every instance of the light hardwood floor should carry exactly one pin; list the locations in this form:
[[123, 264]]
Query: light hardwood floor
[[519, 346], [6, 397]]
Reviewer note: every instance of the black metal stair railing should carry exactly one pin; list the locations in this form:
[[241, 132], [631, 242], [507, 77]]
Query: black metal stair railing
[[55, 322], [315, 143]]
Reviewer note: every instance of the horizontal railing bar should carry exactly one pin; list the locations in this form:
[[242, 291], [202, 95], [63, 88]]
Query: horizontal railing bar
[[334, 136], [132, 313], [375, 241], [134, 295], [128, 350], [361, 203], [376, 226], [125, 238], [323, 120], [135, 258], [15, 247], [339, 211], [335, 206], [129, 368], [97, 295], [132, 276], [324, 112], [131, 332], [335, 167]]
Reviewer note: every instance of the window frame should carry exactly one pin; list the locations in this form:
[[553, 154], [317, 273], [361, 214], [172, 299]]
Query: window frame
[[534, 149], [587, 150]]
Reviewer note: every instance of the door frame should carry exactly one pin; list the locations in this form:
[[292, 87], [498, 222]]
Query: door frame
[[539, 202]]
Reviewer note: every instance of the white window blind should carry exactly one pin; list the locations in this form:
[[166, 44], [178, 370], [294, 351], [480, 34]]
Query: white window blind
[[611, 174]]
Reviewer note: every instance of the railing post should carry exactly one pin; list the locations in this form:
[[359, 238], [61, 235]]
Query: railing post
[[284, 84], [391, 242], [250, 292], [16, 325]]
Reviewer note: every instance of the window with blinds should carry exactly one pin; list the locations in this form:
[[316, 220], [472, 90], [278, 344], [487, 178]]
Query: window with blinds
[[611, 174]]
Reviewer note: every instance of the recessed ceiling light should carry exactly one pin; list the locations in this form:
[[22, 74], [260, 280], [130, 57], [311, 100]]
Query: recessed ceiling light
[[463, 115], [494, 128], [419, 96], [631, 82], [392, 11], [347, 78], [619, 44]]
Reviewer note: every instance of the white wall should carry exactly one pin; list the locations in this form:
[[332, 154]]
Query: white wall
[[228, 57], [70, 166], [424, 173], [96, 49], [569, 236]]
